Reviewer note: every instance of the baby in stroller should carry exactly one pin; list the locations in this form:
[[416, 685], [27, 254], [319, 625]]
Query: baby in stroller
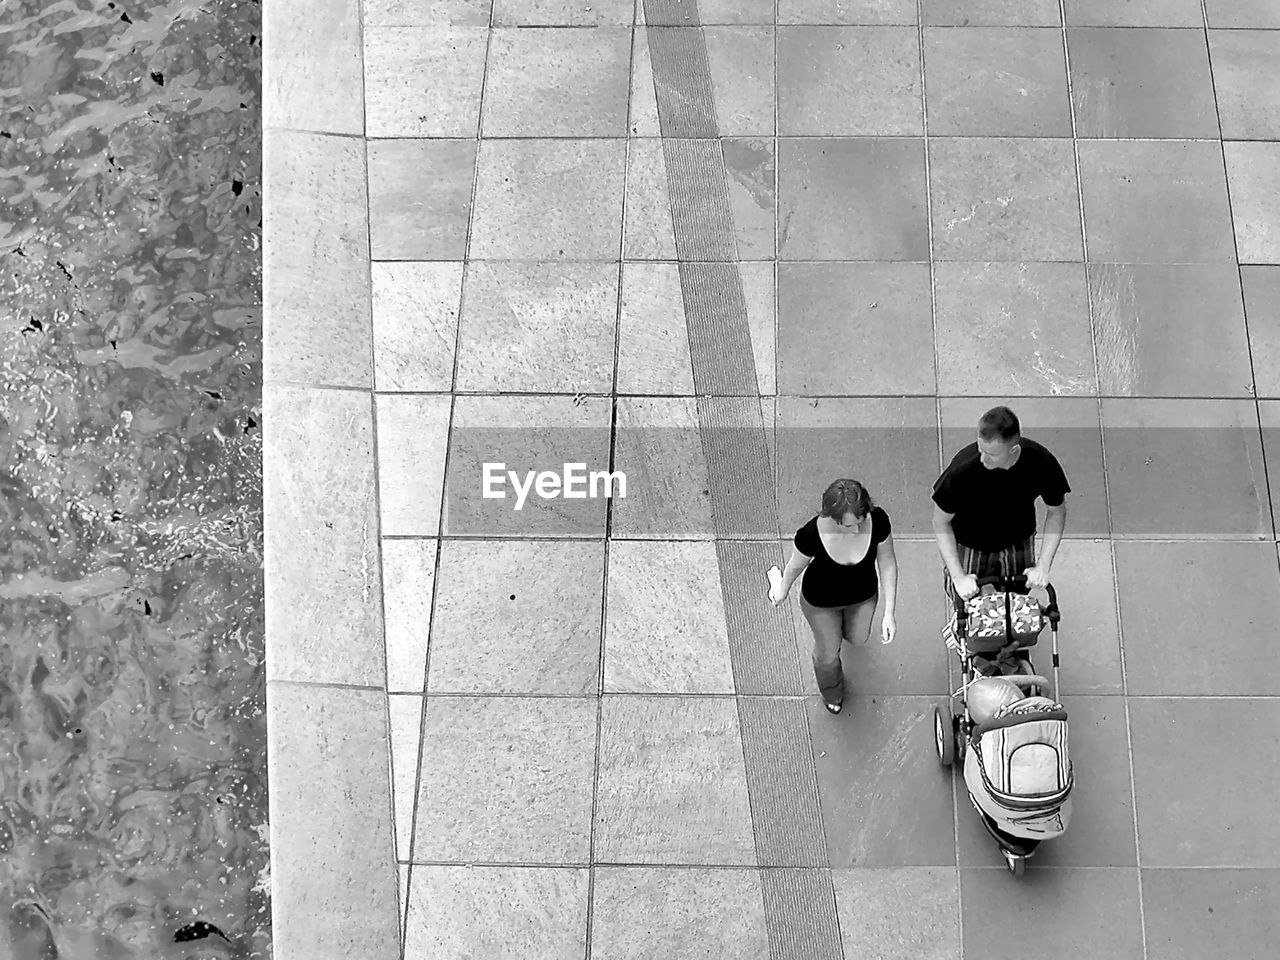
[[1012, 740]]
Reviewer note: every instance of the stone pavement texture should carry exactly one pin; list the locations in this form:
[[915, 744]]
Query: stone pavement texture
[[738, 248]]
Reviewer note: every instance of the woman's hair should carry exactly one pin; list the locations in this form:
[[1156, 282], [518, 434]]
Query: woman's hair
[[999, 423], [846, 496]]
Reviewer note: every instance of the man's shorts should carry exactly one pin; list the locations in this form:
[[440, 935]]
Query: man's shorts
[[1009, 562]]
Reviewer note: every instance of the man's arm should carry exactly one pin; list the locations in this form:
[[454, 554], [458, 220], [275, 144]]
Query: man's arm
[[946, 538], [1055, 522]]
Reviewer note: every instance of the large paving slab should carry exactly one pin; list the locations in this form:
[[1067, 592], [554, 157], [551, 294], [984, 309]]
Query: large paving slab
[[415, 324], [320, 488], [996, 82], [1149, 83], [1215, 444], [1021, 329], [1004, 198], [420, 198], [538, 328], [518, 616], [312, 79], [1000, 916], [682, 648], [561, 13], [548, 199], [1248, 91], [329, 777], [1197, 823], [1252, 171], [509, 780], [653, 334], [413, 433], [666, 912], [672, 783], [1174, 645], [424, 81], [1136, 13], [557, 83], [318, 279], [519, 436], [1262, 313], [1166, 330], [883, 308], [408, 580], [885, 800], [1242, 13], [1155, 202], [899, 913], [426, 13], [852, 199], [658, 445], [501, 912], [1233, 916], [849, 81]]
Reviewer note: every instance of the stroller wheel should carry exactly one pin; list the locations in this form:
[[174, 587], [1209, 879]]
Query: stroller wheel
[[1017, 865], [944, 736]]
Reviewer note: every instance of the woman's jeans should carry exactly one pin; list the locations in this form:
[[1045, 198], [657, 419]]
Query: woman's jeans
[[832, 625]]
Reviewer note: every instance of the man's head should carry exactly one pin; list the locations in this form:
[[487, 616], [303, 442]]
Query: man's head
[[999, 436]]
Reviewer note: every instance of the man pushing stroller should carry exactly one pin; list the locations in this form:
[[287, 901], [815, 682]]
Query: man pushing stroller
[[984, 515], [1012, 740]]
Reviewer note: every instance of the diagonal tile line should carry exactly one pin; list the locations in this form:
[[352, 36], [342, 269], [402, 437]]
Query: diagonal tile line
[[777, 749]]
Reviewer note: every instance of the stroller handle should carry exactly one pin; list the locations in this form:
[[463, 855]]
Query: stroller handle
[[1018, 582]]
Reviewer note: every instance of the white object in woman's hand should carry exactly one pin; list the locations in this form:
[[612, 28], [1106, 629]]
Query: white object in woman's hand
[[776, 593]]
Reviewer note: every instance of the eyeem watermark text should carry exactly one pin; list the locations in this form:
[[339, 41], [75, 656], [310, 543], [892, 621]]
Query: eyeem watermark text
[[573, 482]]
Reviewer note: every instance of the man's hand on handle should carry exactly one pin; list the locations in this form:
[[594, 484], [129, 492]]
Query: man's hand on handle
[[1037, 576], [966, 586]]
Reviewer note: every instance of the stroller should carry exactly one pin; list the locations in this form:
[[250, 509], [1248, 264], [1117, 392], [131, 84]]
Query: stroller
[[1016, 765]]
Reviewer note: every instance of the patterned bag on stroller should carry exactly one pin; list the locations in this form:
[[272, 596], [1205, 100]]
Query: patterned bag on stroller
[[995, 620]]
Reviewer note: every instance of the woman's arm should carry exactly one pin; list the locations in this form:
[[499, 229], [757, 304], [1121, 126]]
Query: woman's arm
[[887, 563], [795, 567]]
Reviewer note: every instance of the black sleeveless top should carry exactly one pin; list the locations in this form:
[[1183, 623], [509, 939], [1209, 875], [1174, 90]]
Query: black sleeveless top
[[827, 583]]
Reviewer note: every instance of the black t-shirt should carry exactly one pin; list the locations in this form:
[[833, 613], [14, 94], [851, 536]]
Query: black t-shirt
[[995, 509], [830, 584]]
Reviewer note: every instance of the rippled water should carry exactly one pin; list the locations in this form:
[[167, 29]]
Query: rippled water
[[132, 728]]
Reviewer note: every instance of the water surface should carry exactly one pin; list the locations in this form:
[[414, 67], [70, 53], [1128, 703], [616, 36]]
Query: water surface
[[132, 728]]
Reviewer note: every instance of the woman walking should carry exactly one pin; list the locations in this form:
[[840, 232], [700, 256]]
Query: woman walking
[[843, 554]]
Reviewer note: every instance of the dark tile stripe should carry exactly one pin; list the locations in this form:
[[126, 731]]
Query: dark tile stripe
[[800, 913], [782, 782], [715, 310], [672, 13], [682, 82], [738, 468], [762, 641], [701, 213], [781, 779]]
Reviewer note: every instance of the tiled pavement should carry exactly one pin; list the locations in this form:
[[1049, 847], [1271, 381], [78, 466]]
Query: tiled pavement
[[520, 229]]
